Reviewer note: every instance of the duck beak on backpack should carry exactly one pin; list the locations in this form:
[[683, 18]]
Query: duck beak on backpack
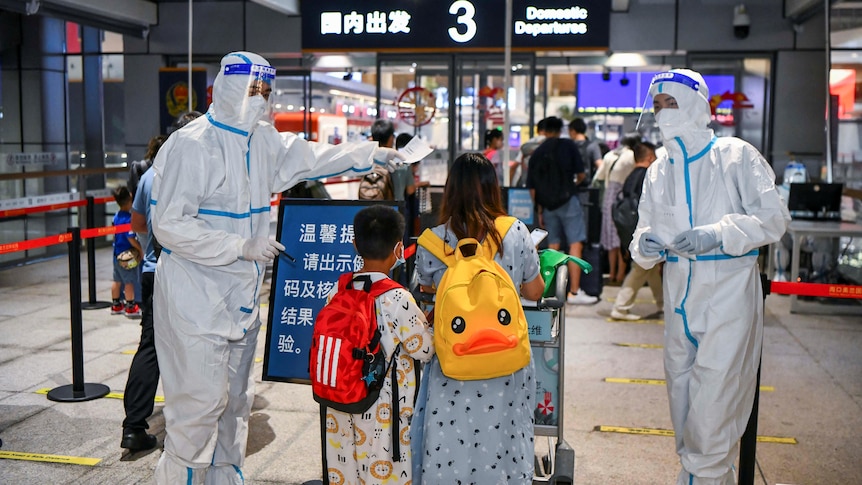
[[485, 341]]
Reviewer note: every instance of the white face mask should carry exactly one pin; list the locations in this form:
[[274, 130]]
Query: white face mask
[[671, 122], [399, 260], [255, 109]]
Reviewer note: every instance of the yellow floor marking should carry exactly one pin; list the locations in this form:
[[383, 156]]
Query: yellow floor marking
[[110, 395], [643, 320], [647, 431], [130, 352], [640, 346], [660, 382], [258, 359], [669, 432], [777, 439], [626, 380], [72, 460]]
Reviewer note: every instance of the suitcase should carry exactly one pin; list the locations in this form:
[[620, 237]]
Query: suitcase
[[591, 204], [592, 283]]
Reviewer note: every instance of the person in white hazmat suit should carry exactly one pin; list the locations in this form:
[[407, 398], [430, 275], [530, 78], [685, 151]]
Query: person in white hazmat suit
[[211, 213], [708, 204]]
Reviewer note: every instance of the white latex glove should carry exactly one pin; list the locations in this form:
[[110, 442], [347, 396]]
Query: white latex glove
[[698, 240], [650, 244], [260, 249], [390, 156]]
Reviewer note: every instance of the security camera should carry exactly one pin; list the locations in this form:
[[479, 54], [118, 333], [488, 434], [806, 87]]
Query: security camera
[[624, 81], [741, 22]]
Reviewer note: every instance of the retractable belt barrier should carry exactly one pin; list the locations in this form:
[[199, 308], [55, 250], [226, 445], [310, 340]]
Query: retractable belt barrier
[[825, 290], [79, 390]]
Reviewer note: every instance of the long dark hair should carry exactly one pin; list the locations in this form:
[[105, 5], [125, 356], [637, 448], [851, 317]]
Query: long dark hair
[[472, 200]]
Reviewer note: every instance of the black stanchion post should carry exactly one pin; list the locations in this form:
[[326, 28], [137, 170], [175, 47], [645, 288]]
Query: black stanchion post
[[78, 390], [92, 304], [748, 442]]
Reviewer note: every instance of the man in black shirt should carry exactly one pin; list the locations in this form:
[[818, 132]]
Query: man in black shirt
[[567, 218]]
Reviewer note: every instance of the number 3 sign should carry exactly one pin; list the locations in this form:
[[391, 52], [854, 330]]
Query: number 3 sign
[[416, 106]]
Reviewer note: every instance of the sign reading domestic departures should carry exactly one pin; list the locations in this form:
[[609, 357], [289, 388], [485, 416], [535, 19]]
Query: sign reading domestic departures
[[399, 26]]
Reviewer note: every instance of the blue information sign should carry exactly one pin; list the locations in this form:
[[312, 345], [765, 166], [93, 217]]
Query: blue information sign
[[520, 204], [318, 235]]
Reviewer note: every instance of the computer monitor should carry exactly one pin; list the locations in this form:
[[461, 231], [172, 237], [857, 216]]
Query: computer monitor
[[815, 201]]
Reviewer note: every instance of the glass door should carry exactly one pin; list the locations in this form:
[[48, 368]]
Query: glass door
[[481, 101], [414, 92]]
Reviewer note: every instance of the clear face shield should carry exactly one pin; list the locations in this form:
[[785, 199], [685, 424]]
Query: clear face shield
[[656, 100], [257, 104]]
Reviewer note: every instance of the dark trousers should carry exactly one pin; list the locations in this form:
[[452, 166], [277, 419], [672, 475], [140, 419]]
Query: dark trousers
[[144, 372]]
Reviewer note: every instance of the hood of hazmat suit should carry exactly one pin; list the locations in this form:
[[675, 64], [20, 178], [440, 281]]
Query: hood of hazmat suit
[[722, 187]]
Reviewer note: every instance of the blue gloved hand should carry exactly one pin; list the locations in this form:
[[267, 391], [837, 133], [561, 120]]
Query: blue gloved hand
[[650, 244], [698, 240]]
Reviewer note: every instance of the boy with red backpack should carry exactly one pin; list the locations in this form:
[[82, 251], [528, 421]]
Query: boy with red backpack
[[365, 373]]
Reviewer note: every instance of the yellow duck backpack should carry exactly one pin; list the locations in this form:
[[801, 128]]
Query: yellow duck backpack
[[480, 331]]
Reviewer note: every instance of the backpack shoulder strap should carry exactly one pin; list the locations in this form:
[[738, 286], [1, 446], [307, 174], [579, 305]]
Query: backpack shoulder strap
[[380, 287], [344, 280], [437, 247], [503, 224], [445, 253]]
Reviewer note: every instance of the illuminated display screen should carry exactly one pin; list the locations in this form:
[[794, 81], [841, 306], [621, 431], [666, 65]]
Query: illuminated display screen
[[595, 95]]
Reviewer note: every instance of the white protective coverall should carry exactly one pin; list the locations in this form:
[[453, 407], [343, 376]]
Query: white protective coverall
[[713, 301], [211, 195]]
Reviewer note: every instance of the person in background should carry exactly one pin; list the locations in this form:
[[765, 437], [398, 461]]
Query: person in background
[[488, 423], [140, 393], [708, 204], [495, 151], [126, 279], [567, 221], [210, 211], [522, 161], [359, 447], [612, 173], [637, 275], [493, 142], [137, 168], [383, 132], [590, 152]]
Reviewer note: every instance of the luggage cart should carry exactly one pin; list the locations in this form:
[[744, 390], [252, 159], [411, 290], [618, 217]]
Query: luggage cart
[[546, 319]]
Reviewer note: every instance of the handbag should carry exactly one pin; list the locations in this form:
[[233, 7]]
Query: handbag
[[625, 216], [128, 259]]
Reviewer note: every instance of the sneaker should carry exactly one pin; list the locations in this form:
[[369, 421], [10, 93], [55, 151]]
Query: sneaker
[[624, 315], [659, 315], [117, 309], [133, 311], [581, 298]]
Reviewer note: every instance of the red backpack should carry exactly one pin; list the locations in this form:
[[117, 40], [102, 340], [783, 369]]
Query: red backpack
[[347, 364]]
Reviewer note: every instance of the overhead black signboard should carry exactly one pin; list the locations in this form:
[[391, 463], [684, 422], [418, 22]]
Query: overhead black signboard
[[434, 25]]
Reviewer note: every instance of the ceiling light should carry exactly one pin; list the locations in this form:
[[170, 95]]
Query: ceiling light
[[625, 59]]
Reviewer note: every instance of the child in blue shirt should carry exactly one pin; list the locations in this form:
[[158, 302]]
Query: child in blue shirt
[[126, 270]]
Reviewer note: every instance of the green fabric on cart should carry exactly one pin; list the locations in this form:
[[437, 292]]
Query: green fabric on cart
[[550, 260]]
